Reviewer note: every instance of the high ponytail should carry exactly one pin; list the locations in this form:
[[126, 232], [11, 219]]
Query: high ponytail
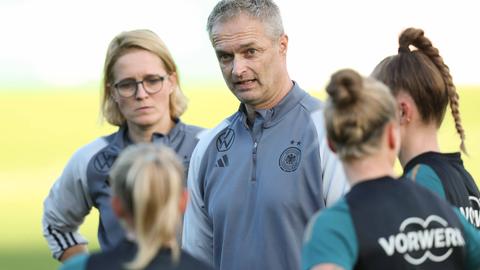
[[425, 76], [357, 110]]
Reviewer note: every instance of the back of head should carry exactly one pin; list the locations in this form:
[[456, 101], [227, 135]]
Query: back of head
[[356, 113], [148, 179], [124, 43], [422, 74], [265, 11]]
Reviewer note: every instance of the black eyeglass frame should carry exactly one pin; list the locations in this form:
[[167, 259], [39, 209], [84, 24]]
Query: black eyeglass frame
[[134, 93]]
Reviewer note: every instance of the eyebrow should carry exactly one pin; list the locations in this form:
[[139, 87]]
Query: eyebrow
[[247, 45], [241, 47], [145, 76]]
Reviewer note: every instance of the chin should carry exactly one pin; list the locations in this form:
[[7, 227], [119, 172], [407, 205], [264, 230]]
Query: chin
[[145, 121], [247, 98]]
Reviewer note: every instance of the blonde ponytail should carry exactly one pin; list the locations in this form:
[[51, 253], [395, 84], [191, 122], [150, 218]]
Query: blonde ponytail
[[150, 187]]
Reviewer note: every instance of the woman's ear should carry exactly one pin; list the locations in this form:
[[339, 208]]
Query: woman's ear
[[393, 136], [172, 79], [331, 146], [113, 94], [183, 200], [405, 113], [406, 107], [117, 207]]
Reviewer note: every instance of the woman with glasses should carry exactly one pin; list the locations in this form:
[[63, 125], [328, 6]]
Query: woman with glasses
[[141, 95], [149, 197], [382, 222]]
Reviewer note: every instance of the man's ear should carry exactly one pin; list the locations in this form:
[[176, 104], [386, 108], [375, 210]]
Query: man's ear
[[183, 200], [283, 44]]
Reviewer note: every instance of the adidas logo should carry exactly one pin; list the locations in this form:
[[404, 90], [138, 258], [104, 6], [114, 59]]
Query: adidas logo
[[222, 162]]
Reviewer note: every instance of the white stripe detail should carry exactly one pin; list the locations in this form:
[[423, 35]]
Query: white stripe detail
[[68, 201]]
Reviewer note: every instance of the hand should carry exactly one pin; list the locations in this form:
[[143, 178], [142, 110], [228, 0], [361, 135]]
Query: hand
[[72, 251]]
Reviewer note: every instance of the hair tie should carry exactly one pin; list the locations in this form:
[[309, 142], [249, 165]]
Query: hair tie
[[403, 49]]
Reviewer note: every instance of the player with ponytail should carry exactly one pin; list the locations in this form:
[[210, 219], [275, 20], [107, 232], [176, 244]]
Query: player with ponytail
[[423, 87]]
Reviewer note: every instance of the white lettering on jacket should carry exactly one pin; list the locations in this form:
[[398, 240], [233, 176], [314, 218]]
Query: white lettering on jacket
[[426, 239], [472, 214]]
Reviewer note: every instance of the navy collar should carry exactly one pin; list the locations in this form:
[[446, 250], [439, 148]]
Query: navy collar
[[451, 157]]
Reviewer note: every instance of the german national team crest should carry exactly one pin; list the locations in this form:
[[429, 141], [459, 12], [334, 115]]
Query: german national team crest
[[290, 159], [103, 161], [225, 140]]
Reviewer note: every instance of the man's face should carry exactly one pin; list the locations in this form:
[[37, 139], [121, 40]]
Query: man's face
[[252, 62]]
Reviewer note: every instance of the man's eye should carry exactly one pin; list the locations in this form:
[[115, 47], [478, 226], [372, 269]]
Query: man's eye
[[225, 57], [251, 51]]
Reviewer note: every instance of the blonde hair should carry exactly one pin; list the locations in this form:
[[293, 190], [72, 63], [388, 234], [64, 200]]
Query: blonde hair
[[356, 112], [123, 44], [423, 74], [148, 179]]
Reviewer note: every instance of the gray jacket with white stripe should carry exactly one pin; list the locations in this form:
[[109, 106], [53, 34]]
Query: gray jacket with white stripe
[[253, 189], [84, 184]]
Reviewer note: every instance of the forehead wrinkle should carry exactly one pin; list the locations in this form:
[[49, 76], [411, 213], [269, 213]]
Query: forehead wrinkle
[[219, 39]]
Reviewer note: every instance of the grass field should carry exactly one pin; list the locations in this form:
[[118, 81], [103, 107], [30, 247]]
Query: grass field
[[42, 130]]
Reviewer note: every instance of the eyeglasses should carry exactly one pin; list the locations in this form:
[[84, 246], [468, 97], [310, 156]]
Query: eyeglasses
[[129, 87]]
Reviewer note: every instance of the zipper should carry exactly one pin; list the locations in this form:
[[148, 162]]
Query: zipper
[[256, 131], [254, 157]]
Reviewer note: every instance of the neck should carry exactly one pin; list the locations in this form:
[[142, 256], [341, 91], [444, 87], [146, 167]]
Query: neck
[[139, 134], [368, 168], [284, 88], [421, 139]]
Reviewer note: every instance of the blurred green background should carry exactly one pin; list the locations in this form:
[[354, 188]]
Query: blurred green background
[[42, 130]]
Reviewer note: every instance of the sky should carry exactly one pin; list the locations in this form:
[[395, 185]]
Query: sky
[[63, 43]]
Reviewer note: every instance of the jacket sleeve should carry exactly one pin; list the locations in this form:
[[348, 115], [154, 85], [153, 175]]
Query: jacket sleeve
[[335, 183], [330, 238], [66, 206], [197, 236]]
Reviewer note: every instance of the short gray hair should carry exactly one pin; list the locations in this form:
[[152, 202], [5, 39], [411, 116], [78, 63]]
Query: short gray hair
[[265, 11]]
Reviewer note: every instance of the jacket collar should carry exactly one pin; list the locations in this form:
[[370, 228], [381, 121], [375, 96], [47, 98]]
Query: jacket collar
[[121, 140], [273, 115]]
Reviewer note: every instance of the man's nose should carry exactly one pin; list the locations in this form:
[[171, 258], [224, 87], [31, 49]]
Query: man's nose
[[239, 66]]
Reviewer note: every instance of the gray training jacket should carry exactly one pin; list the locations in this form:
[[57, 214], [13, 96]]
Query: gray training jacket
[[252, 191], [84, 184]]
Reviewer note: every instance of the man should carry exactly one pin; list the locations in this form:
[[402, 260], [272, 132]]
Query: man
[[257, 178]]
